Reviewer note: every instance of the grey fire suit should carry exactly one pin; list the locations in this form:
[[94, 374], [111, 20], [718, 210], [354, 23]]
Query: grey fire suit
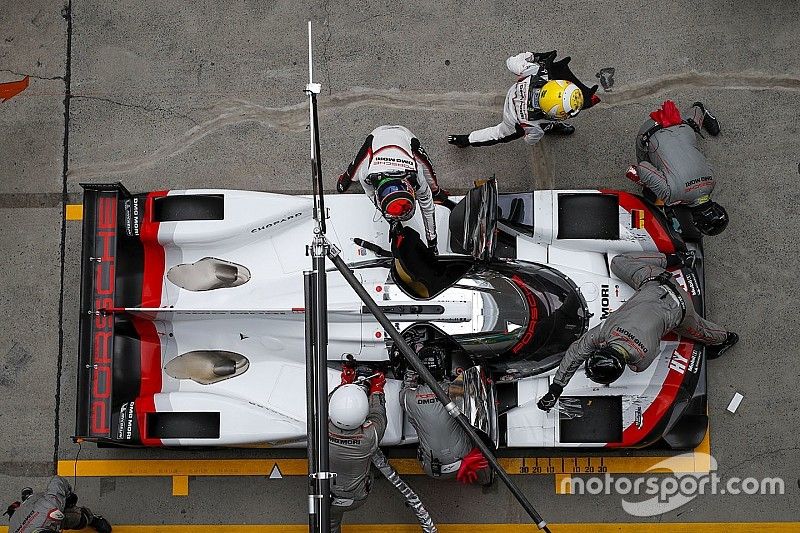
[[350, 458], [520, 118], [393, 149], [637, 326], [47, 511], [442, 442], [671, 164]]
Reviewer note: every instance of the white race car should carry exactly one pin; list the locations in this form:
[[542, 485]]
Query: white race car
[[192, 316]]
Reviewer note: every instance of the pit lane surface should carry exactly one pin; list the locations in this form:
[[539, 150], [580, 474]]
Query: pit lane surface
[[175, 95]]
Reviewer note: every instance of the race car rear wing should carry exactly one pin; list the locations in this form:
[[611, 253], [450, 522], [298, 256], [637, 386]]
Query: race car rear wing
[[102, 221]]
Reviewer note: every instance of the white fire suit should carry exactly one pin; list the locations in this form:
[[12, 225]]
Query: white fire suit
[[393, 149], [520, 118]]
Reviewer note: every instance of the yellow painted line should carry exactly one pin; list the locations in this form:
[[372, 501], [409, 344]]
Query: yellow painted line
[[697, 462], [182, 467], [74, 211], [180, 485], [563, 484], [625, 527]]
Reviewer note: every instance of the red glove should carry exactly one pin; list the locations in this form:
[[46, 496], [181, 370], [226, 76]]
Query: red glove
[[377, 383], [632, 174], [348, 375], [470, 465]]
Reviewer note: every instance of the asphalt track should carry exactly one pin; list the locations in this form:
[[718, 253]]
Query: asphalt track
[[178, 95]]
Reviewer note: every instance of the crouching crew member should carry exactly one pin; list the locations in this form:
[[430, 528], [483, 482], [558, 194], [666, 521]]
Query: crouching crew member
[[445, 449], [536, 105], [631, 335], [396, 173], [356, 425], [53, 510], [671, 166]]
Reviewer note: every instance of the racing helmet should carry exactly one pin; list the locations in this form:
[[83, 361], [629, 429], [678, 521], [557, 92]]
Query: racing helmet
[[436, 360], [560, 99], [395, 196], [348, 406], [710, 218], [605, 365]]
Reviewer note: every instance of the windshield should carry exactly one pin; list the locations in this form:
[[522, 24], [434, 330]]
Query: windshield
[[501, 313]]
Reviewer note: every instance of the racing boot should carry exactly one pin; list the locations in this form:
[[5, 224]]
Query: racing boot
[[343, 182], [559, 128], [100, 524], [716, 350], [710, 122]]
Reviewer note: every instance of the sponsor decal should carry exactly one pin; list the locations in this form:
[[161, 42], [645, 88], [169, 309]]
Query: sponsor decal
[[605, 300], [126, 417], [394, 162], [423, 399], [694, 359], [698, 183], [103, 330], [275, 223], [692, 285], [678, 362], [350, 441], [618, 331], [638, 417], [133, 216]]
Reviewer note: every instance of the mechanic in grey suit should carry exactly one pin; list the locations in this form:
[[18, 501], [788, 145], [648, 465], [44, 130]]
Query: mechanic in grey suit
[[355, 428], [53, 510], [445, 449], [672, 167], [631, 334]]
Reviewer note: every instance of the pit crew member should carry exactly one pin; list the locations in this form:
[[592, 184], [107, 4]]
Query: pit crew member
[[631, 334], [53, 510], [536, 105], [671, 166], [356, 425], [445, 449], [395, 172]]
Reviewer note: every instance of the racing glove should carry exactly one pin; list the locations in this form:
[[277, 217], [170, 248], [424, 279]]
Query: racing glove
[[549, 400], [632, 174], [377, 383], [440, 196], [462, 141], [343, 182], [470, 465], [348, 375]]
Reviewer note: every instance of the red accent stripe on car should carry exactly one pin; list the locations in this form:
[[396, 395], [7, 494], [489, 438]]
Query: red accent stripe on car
[[154, 259], [150, 380], [659, 235], [633, 435], [534, 314]]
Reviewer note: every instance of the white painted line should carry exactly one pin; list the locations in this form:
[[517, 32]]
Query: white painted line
[[735, 401]]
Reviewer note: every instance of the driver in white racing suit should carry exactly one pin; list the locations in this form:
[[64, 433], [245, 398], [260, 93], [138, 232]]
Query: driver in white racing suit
[[52, 511], [395, 172], [536, 105]]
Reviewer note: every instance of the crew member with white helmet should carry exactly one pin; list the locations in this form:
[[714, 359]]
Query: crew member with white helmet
[[356, 424], [536, 105]]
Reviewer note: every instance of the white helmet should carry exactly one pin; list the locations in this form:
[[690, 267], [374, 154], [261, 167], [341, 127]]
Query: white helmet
[[348, 406]]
